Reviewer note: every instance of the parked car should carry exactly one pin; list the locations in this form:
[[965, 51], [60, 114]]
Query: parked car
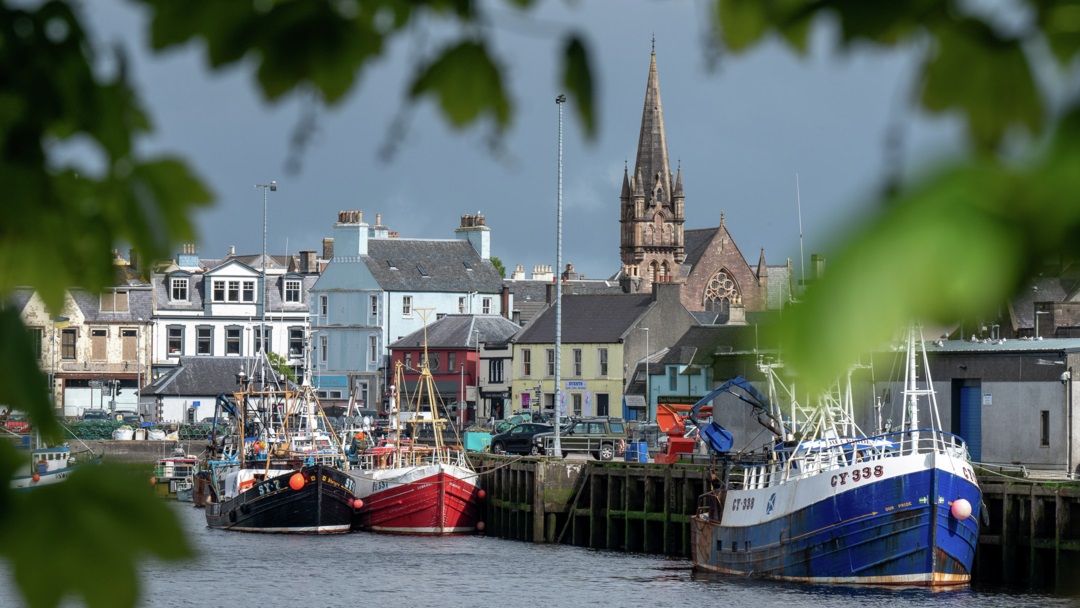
[[502, 426], [601, 436], [16, 422], [518, 440], [95, 415]]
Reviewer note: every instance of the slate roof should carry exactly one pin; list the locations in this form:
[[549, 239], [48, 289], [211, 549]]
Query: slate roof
[[199, 377], [457, 331], [197, 293], [699, 344], [530, 297], [18, 299], [421, 265], [140, 307], [695, 243], [588, 319]]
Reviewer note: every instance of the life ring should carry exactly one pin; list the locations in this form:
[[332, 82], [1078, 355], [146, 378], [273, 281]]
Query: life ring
[[42, 466]]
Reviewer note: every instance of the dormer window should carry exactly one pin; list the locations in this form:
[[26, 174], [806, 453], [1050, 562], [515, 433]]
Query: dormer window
[[114, 301], [178, 289], [292, 291], [233, 290]]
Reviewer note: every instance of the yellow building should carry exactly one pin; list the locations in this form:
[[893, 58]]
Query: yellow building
[[603, 337]]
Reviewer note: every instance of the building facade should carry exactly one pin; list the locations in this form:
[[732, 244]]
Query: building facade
[[379, 288], [96, 351], [602, 338], [210, 308]]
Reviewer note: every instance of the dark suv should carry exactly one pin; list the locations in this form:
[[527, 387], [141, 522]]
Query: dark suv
[[518, 440], [601, 436]]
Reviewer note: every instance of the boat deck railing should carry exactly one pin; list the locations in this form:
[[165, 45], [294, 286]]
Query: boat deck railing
[[412, 456], [813, 457]]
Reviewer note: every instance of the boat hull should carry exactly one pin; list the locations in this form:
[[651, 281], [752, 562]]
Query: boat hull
[[893, 527], [26, 482], [431, 499], [323, 505]]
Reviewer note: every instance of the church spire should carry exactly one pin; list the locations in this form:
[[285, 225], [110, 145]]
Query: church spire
[[652, 159]]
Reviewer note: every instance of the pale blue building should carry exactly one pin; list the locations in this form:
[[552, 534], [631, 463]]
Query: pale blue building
[[378, 288]]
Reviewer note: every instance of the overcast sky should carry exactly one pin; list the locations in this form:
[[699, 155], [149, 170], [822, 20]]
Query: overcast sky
[[742, 131]]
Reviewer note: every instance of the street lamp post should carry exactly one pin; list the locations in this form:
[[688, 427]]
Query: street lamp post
[[559, 101], [272, 187]]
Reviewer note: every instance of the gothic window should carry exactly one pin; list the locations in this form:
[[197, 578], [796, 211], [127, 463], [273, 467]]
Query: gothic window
[[721, 292], [654, 272], [665, 272]]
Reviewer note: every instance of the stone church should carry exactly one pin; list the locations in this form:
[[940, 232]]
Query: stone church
[[655, 247]]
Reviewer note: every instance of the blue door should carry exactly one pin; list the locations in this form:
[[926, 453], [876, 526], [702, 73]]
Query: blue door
[[970, 427]]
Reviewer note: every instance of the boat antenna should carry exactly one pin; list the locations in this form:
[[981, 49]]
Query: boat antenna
[[802, 256]]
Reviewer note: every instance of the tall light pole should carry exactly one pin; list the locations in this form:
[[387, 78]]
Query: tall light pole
[[559, 101], [272, 187]]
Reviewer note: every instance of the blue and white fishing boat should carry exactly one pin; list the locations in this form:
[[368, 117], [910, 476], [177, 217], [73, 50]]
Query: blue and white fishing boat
[[50, 465], [828, 504]]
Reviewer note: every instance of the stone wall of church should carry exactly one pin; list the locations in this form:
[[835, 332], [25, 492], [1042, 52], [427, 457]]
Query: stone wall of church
[[727, 256]]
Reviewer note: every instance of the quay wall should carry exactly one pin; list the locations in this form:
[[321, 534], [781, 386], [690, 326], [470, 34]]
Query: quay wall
[[1032, 538], [136, 452]]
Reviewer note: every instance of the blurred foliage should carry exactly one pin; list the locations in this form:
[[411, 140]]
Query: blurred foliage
[[956, 244], [944, 249], [86, 535]]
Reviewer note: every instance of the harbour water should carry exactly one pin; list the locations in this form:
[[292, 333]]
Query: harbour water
[[360, 569]]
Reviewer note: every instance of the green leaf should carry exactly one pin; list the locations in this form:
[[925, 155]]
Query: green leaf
[[986, 77], [1060, 22], [578, 80], [741, 23], [466, 83], [942, 253], [887, 23], [102, 521]]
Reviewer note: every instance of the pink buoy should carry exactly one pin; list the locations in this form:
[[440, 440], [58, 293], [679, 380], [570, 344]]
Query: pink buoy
[[961, 509], [480, 526], [482, 494], [357, 503]]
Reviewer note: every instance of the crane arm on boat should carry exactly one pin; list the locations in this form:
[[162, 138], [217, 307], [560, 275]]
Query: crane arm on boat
[[716, 437]]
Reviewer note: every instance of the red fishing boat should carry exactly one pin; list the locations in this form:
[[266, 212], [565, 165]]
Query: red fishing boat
[[413, 488]]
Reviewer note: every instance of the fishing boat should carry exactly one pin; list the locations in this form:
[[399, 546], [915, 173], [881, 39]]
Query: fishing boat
[[49, 465], [827, 504], [174, 475], [409, 487], [276, 476]]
